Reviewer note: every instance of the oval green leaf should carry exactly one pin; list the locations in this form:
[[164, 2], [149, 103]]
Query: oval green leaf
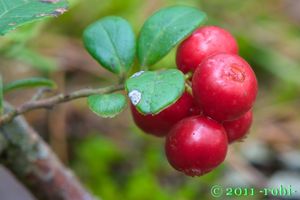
[[107, 105], [111, 42], [164, 30], [14, 13], [28, 83], [152, 91]]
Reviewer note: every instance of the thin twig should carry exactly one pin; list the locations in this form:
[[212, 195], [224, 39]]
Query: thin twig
[[40, 93], [52, 101]]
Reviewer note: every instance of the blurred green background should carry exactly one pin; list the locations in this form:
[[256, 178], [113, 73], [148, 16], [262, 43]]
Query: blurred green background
[[117, 161]]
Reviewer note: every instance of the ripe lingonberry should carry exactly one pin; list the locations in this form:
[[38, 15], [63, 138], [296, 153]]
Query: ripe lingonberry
[[196, 145], [224, 86], [237, 129], [204, 42], [161, 123], [195, 110]]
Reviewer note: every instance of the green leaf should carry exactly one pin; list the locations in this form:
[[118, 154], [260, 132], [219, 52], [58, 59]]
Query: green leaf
[[1, 95], [29, 83], [107, 105], [152, 91], [14, 13], [164, 30], [111, 42]]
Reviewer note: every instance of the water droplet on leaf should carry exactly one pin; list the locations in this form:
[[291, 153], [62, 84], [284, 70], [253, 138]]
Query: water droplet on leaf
[[50, 1]]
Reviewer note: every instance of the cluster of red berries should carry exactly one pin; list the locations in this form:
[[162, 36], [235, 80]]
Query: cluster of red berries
[[199, 126]]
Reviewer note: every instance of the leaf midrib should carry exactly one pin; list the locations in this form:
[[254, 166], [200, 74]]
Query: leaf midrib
[[114, 49]]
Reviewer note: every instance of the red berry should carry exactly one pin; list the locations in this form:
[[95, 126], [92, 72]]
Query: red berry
[[237, 129], [195, 110], [224, 86], [204, 42], [161, 123], [196, 145]]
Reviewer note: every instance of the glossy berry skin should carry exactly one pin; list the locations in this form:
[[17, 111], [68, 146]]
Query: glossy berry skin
[[204, 42], [224, 86], [196, 145], [195, 110], [237, 129], [161, 123]]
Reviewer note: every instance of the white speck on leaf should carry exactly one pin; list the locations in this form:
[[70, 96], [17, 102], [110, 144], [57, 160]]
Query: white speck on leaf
[[59, 11], [50, 1], [137, 74], [135, 96]]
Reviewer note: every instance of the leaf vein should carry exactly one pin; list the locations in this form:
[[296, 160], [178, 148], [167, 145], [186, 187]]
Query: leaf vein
[[8, 11], [114, 48]]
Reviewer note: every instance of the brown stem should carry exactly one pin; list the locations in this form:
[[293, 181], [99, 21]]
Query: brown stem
[[52, 101], [36, 166]]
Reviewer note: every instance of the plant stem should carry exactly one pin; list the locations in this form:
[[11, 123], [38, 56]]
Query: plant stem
[[188, 88], [52, 101], [188, 75]]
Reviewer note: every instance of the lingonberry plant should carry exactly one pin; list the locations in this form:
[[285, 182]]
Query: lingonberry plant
[[196, 117]]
